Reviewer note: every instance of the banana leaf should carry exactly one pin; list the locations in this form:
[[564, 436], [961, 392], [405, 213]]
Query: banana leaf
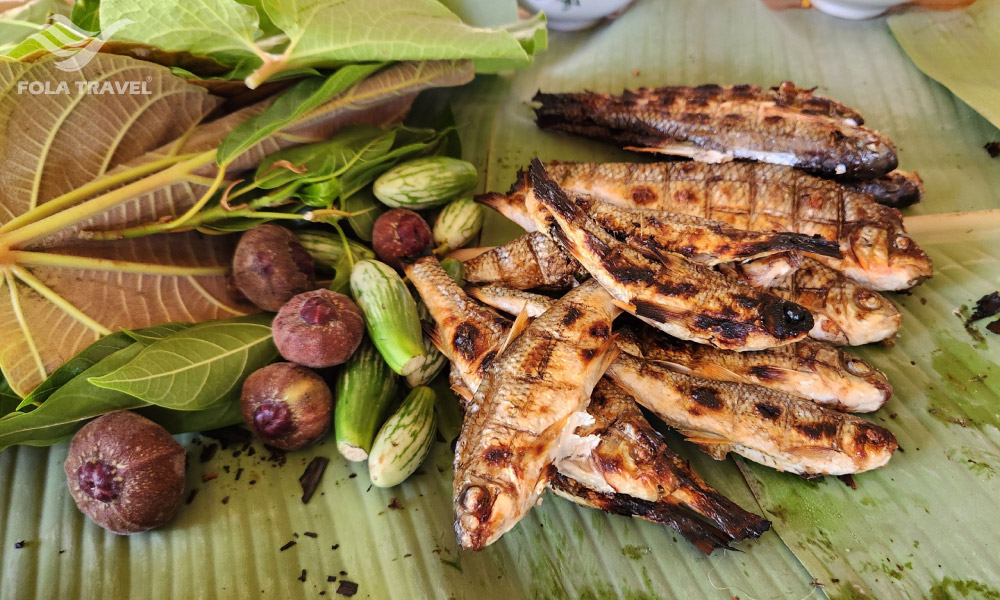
[[399, 543]]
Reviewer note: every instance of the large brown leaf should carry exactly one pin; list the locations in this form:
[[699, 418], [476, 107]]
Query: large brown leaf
[[58, 292]]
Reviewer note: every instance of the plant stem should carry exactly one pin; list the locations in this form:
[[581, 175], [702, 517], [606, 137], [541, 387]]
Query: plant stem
[[220, 176], [68, 199], [67, 261]]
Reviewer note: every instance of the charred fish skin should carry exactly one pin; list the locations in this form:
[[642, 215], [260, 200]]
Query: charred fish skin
[[530, 261], [634, 459], [466, 332], [877, 252], [682, 298], [510, 300], [714, 124], [701, 240], [897, 189], [522, 411], [845, 313], [774, 429], [808, 369]]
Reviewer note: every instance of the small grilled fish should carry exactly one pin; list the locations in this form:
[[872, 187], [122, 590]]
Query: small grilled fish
[[711, 123], [845, 313], [876, 251], [684, 299], [774, 429], [809, 369], [466, 332], [530, 261], [897, 189], [528, 404]]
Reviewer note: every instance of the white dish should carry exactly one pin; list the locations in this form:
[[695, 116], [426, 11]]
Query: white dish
[[572, 15], [855, 9]]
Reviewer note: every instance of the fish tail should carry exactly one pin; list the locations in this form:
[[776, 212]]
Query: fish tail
[[728, 516], [813, 244]]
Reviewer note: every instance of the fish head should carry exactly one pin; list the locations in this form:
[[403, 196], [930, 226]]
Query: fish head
[[875, 390], [482, 514], [888, 259], [870, 446], [873, 155]]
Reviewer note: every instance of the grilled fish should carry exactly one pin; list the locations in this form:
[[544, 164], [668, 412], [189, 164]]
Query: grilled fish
[[844, 312], [897, 189], [684, 299], [530, 261], [876, 251], [632, 471], [525, 411], [768, 427], [812, 370], [698, 239], [711, 123]]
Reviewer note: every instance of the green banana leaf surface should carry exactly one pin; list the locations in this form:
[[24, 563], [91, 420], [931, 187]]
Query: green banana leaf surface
[[925, 526]]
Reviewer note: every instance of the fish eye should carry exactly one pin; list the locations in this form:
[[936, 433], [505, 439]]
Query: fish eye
[[866, 300], [857, 367], [902, 242]]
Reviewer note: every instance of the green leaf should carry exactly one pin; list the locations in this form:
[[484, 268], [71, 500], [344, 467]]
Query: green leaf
[[194, 368], [9, 401], [366, 210], [19, 22], [65, 411], [959, 49], [329, 33], [530, 33], [222, 29], [86, 14], [222, 413], [352, 146], [301, 99], [156, 333], [90, 356]]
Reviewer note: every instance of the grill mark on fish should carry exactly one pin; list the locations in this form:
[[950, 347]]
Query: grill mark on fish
[[767, 125], [465, 340], [768, 411], [711, 315], [706, 397], [531, 261]]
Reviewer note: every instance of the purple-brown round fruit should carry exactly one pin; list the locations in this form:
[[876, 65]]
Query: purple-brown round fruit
[[286, 405], [126, 472], [401, 234], [270, 266], [318, 329]]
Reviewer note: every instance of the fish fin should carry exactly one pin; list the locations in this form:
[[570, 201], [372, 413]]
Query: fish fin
[[516, 329], [709, 371], [624, 306], [433, 333], [494, 200], [462, 391], [716, 447], [654, 312]]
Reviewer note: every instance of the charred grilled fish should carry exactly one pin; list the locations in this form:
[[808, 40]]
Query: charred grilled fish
[[844, 312], [812, 370], [530, 261], [632, 471], [714, 124], [877, 253], [774, 429], [684, 299], [523, 413]]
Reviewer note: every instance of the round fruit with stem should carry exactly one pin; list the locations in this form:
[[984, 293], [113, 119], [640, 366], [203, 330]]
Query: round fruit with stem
[[318, 329], [287, 405], [270, 266]]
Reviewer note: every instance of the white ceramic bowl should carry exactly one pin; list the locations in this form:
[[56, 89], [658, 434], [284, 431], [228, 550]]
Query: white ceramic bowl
[[571, 15], [855, 9]]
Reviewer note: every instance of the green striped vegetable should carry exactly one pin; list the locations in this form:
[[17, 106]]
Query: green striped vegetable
[[458, 224], [326, 248], [434, 363], [390, 315], [365, 209], [364, 389], [405, 439], [425, 182]]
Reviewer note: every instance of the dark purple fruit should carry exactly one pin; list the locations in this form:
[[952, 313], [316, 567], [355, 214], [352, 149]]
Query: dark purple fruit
[[318, 329], [270, 266], [401, 234], [287, 405], [125, 472]]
